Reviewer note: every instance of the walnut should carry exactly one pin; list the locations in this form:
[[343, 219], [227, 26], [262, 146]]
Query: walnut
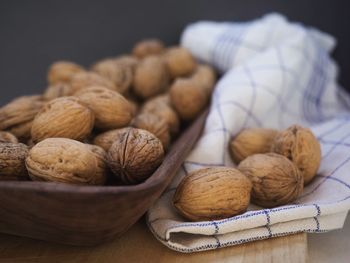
[[276, 180], [251, 141], [65, 161], [106, 139], [135, 155], [62, 71], [161, 106], [7, 137], [17, 116], [155, 125], [63, 117], [299, 145], [57, 90], [212, 193], [205, 76], [151, 77], [180, 62], [119, 73], [128, 61], [101, 157], [111, 109], [86, 79], [12, 166], [148, 47], [188, 98]]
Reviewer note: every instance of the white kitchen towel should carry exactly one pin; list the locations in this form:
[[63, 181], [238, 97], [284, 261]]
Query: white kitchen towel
[[275, 74]]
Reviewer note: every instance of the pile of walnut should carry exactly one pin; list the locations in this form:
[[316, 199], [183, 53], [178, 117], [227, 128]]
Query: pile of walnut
[[119, 116], [273, 167]]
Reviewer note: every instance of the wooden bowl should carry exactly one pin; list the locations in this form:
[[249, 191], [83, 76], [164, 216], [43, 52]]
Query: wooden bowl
[[87, 215]]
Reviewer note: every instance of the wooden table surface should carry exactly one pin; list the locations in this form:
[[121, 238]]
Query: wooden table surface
[[139, 245]]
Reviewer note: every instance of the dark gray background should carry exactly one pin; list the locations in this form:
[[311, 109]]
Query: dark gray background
[[35, 33]]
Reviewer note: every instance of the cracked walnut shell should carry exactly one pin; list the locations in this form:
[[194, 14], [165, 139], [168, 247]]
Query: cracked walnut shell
[[276, 180], [64, 160], [212, 194], [63, 117], [135, 155], [12, 157], [300, 146]]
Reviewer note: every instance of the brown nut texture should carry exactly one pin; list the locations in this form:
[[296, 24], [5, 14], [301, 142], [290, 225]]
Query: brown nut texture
[[101, 157], [300, 146], [86, 79], [111, 109], [251, 141], [205, 76], [12, 161], [212, 194], [65, 161], [180, 62], [60, 89], [188, 98], [276, 180], [135, 155], [63, 117], [148, 47], [7, 137], [151, 77], [17, 116], [155, 125], [119, 73], [161, 106], [62, 71], [106, 139]]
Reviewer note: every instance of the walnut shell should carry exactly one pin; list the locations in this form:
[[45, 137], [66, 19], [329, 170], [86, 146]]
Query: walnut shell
[[135, 155], [160, 106], [300, 146], [86, 79], [57, 90], [17, 116], [205, 76], [12, 157], [128, 61], [106, 139], [65, 161], [101, 157], [148, 47], [251, 141], [63, 117], [276, 180], [212, 193], [119, 73], [7, 137], [188, 98], [151, 77], [62, 71], [111, 109], [155, 125], [180, 62]]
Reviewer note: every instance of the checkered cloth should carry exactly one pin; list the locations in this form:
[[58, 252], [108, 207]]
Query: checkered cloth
[[275, 73]]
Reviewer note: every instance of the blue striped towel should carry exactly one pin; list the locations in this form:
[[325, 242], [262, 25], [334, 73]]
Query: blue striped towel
[[275, 73]]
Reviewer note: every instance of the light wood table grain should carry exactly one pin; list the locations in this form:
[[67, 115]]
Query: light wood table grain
[[139, 245]]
